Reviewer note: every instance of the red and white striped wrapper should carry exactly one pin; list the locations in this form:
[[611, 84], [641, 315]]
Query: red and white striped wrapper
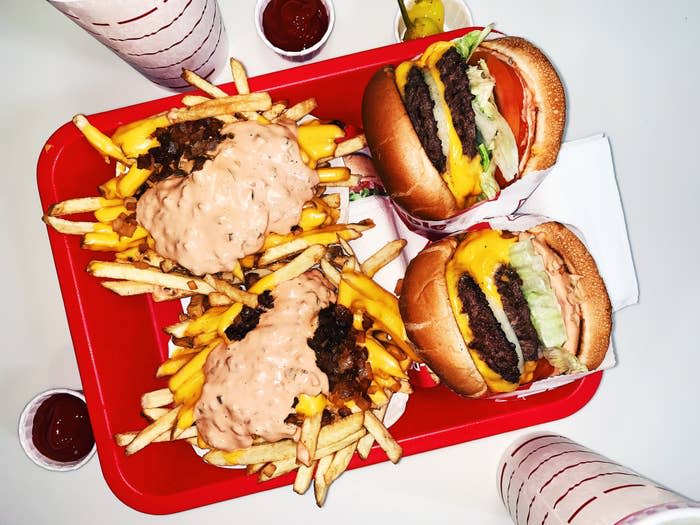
[[158, 38], [506, 202], [547, 479]]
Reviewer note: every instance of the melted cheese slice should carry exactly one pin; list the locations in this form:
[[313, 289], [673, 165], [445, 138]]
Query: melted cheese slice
[[480, 254]]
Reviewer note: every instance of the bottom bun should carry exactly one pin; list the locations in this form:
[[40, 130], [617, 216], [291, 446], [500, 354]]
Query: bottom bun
[[431, 324]]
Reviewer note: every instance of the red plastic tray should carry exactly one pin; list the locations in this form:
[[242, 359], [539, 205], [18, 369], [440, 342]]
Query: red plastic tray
[[119, 341]]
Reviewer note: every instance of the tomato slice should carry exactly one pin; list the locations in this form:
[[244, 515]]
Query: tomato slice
[[543, 370]]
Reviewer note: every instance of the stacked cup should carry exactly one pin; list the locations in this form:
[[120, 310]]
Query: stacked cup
[[547, 479], [156, 38]]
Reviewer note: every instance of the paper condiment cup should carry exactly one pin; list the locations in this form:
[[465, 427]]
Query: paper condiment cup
[[26, 422], [295, 56], [457, 15]]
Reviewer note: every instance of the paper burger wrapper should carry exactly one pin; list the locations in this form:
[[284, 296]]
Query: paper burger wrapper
[[507, 201], [380, 210], [158, 39], [544, 478], [580, 191]]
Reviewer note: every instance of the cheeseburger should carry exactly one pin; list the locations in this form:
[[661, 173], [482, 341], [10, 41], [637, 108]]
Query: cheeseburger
[[492, 310], [463, 120]]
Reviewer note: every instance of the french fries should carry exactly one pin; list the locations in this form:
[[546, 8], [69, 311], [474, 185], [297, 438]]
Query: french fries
[[320, 484], [156, 398], [340, 462], [70, 227], [126, 288], [306, 448], [152, 431], [240, 78], [275, 111], [99, 140], [304, 261], [82, 205], [364, 445], [350, 146], [222, 106], [303, 479], [320, 451], [194, 79], [234, 294], [381, 434], [300, 110], [148, 275], [382, 257]]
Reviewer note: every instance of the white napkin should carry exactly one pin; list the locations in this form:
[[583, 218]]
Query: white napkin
[[580, 190]]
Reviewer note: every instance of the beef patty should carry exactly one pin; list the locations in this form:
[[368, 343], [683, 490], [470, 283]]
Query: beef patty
[[488, 341], [419, 106], [453, 73], [509, 283]]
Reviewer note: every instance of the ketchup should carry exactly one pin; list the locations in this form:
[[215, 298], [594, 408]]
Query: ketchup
[[61, 428], [294, 25]]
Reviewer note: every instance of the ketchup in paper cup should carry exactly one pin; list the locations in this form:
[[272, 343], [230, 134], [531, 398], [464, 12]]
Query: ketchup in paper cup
[[294, 29], [55, 431]]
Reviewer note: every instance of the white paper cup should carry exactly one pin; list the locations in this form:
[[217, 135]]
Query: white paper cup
[[26, 422], [156, 38], [457, 15], [544, 478], [295, 56]]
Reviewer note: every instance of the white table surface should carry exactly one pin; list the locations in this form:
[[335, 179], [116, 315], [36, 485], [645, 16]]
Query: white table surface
[[630, 70]]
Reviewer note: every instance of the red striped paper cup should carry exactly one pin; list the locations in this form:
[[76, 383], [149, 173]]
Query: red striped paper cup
[[547, 479], [157, 38]]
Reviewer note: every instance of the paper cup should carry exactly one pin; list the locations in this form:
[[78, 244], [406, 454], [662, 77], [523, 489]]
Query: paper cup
[[457, 15], [547, 479], [26, 423], [158, 39]]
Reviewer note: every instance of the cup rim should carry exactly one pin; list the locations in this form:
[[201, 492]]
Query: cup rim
[[260, 6], [25, 437]]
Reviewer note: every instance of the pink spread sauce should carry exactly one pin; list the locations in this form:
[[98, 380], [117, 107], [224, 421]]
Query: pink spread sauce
[[251, 384], [565, 289], [255, 184]]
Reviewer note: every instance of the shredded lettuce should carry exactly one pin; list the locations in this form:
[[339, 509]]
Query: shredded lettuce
[[545, 312], [496, 133], [487, 180], [469, 42], [485, 157]]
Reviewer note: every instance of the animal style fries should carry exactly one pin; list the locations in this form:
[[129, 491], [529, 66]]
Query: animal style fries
[[330, 432], [116, 230], [324, 449], [226, 306]]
